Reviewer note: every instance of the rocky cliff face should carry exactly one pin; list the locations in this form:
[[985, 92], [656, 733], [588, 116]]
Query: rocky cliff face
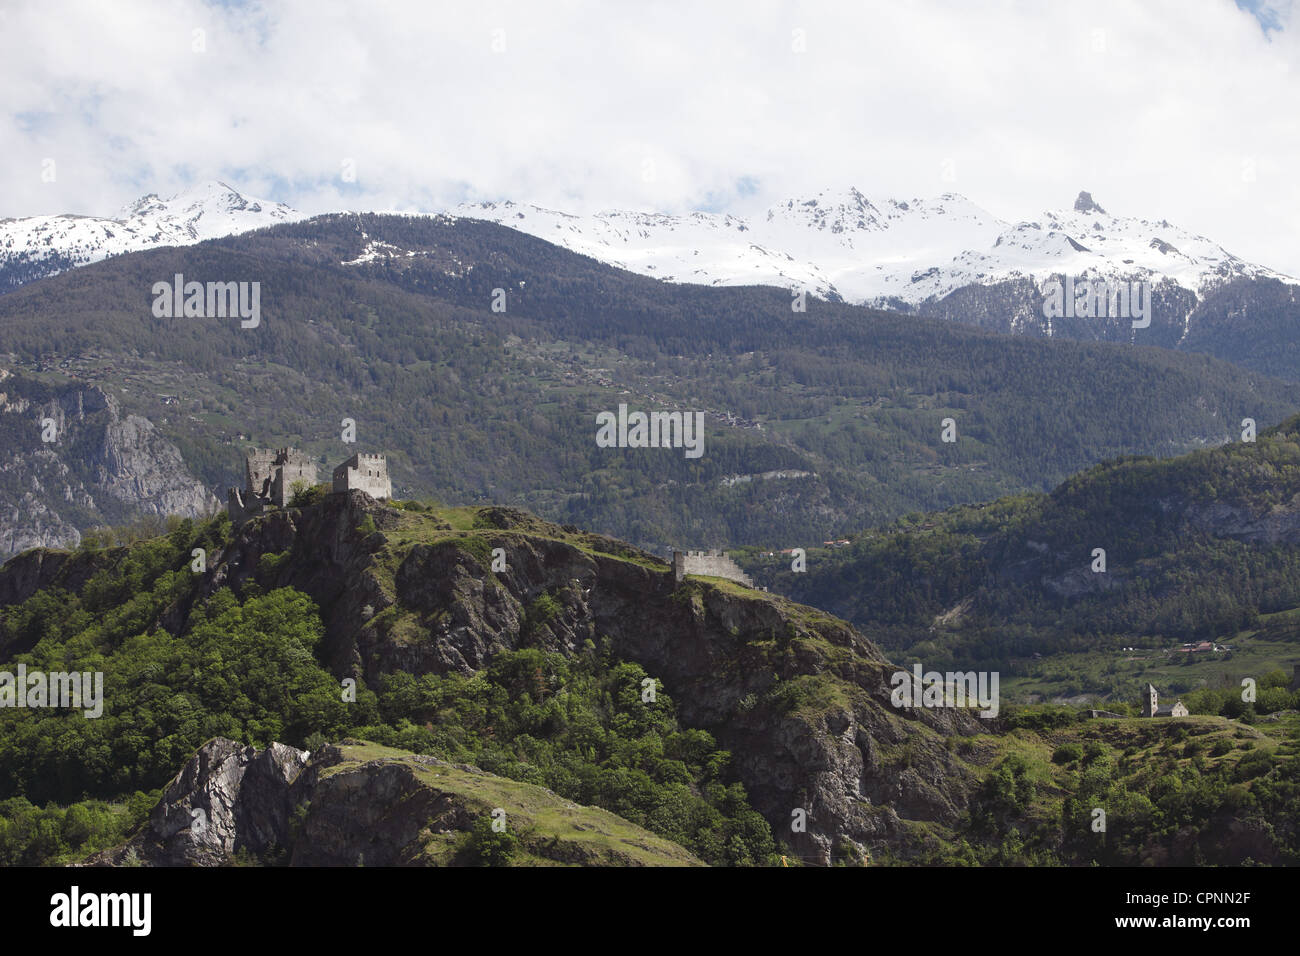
[[1259, 523], [1279, 524], [360, 804], [800, 698], [102, 467], [229, 797]]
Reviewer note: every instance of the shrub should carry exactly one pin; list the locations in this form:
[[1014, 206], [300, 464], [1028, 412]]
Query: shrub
[[1041, 718], [1067, 753], [485, 847], [540, 612], [304, 495], [269, 564]]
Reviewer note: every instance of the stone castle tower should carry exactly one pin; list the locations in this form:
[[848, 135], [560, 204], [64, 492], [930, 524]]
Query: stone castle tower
[[715, 563], [368, 473], [269, 477]]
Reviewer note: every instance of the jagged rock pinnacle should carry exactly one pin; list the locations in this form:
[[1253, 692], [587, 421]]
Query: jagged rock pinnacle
[[1085, 204]]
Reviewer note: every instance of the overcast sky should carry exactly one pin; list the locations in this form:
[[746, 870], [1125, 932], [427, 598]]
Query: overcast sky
[[1187, 110]]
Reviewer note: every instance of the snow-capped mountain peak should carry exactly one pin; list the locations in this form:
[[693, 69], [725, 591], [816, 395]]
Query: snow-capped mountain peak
[[38, 246], [944, 255], [1106, 244], [841, 243]]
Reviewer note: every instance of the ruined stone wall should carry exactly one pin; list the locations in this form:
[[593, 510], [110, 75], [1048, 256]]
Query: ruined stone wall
[[269, 477], [291, 465], [241, 507], [259, 471], [713, 563]]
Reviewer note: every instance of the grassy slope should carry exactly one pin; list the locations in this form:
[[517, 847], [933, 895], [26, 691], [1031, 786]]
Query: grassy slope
[[535, 814]]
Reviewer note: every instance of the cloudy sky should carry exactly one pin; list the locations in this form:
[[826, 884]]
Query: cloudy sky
[[1179, 109]]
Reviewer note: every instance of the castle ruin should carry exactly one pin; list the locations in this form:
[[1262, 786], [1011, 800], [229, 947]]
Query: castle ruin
[[269, 477], [714, 563], [368, 473]]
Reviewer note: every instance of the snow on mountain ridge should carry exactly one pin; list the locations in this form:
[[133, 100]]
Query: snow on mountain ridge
[[207, 211], [843, 244], [836, 244]]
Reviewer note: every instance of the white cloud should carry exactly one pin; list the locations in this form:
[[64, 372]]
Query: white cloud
[[1166, 109]]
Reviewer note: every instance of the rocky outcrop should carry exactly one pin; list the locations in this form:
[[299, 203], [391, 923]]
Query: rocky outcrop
[[30, 572], [39, 570], [1084, 203], [360, 804], [801, 699], [104, 467], [227, 798], [1276, 525]]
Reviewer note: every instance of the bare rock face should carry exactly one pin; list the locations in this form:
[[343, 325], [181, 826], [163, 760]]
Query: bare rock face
[[29, 573], [1277, 525], [102, 468], [27, 521], [1085, 203], [142, 470], [227, 798]]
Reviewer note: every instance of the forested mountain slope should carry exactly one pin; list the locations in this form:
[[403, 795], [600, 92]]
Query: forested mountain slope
[[1197, 548], [821, 421]]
